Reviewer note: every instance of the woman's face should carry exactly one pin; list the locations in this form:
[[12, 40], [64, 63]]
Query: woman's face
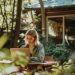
[[30, 39]]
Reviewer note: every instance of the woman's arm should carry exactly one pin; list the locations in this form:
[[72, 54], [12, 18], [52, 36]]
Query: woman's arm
[[40, 56]]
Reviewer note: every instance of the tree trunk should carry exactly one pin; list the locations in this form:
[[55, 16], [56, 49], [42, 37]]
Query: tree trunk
[[43, 17], [17, 27]]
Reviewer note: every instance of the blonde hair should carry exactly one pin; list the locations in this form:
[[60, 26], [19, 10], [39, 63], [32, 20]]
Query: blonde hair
[[34, 34]]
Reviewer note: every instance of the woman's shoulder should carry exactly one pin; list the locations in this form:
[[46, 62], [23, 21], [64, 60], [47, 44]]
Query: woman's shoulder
[[40, 45]]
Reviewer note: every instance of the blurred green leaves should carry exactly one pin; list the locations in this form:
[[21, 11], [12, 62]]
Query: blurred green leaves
[[5, 54], [21, 59], [3, 40]]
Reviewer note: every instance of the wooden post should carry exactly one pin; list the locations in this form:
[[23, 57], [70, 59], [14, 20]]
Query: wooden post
[[63, 42], [43, 18], [47, 30]]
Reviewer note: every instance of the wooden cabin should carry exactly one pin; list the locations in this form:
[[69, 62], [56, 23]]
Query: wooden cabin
[[60, 21]]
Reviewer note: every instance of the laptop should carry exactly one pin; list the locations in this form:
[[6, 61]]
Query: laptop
[[15, 52]]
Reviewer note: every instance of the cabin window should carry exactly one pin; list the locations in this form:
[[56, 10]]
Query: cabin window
[[61, 29]]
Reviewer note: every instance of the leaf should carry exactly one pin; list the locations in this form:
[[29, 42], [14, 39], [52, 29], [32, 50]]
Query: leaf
[[3, 40]]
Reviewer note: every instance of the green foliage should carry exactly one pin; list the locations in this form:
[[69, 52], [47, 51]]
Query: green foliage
[[7, 15], [60, 53], [21, 59], [21, 41], [5, 54], [49, 46], [3, 40], [69, 67]]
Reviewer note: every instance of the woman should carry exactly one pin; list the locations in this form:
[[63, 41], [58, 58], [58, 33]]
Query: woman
[[36, 48]]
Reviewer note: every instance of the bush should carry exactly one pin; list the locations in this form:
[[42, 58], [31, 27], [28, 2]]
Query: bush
[[60, 52], [49, 46]]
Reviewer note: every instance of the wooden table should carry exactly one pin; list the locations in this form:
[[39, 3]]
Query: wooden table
[[41, 65]]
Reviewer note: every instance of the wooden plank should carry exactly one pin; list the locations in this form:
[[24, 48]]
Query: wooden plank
[[55, 13]]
